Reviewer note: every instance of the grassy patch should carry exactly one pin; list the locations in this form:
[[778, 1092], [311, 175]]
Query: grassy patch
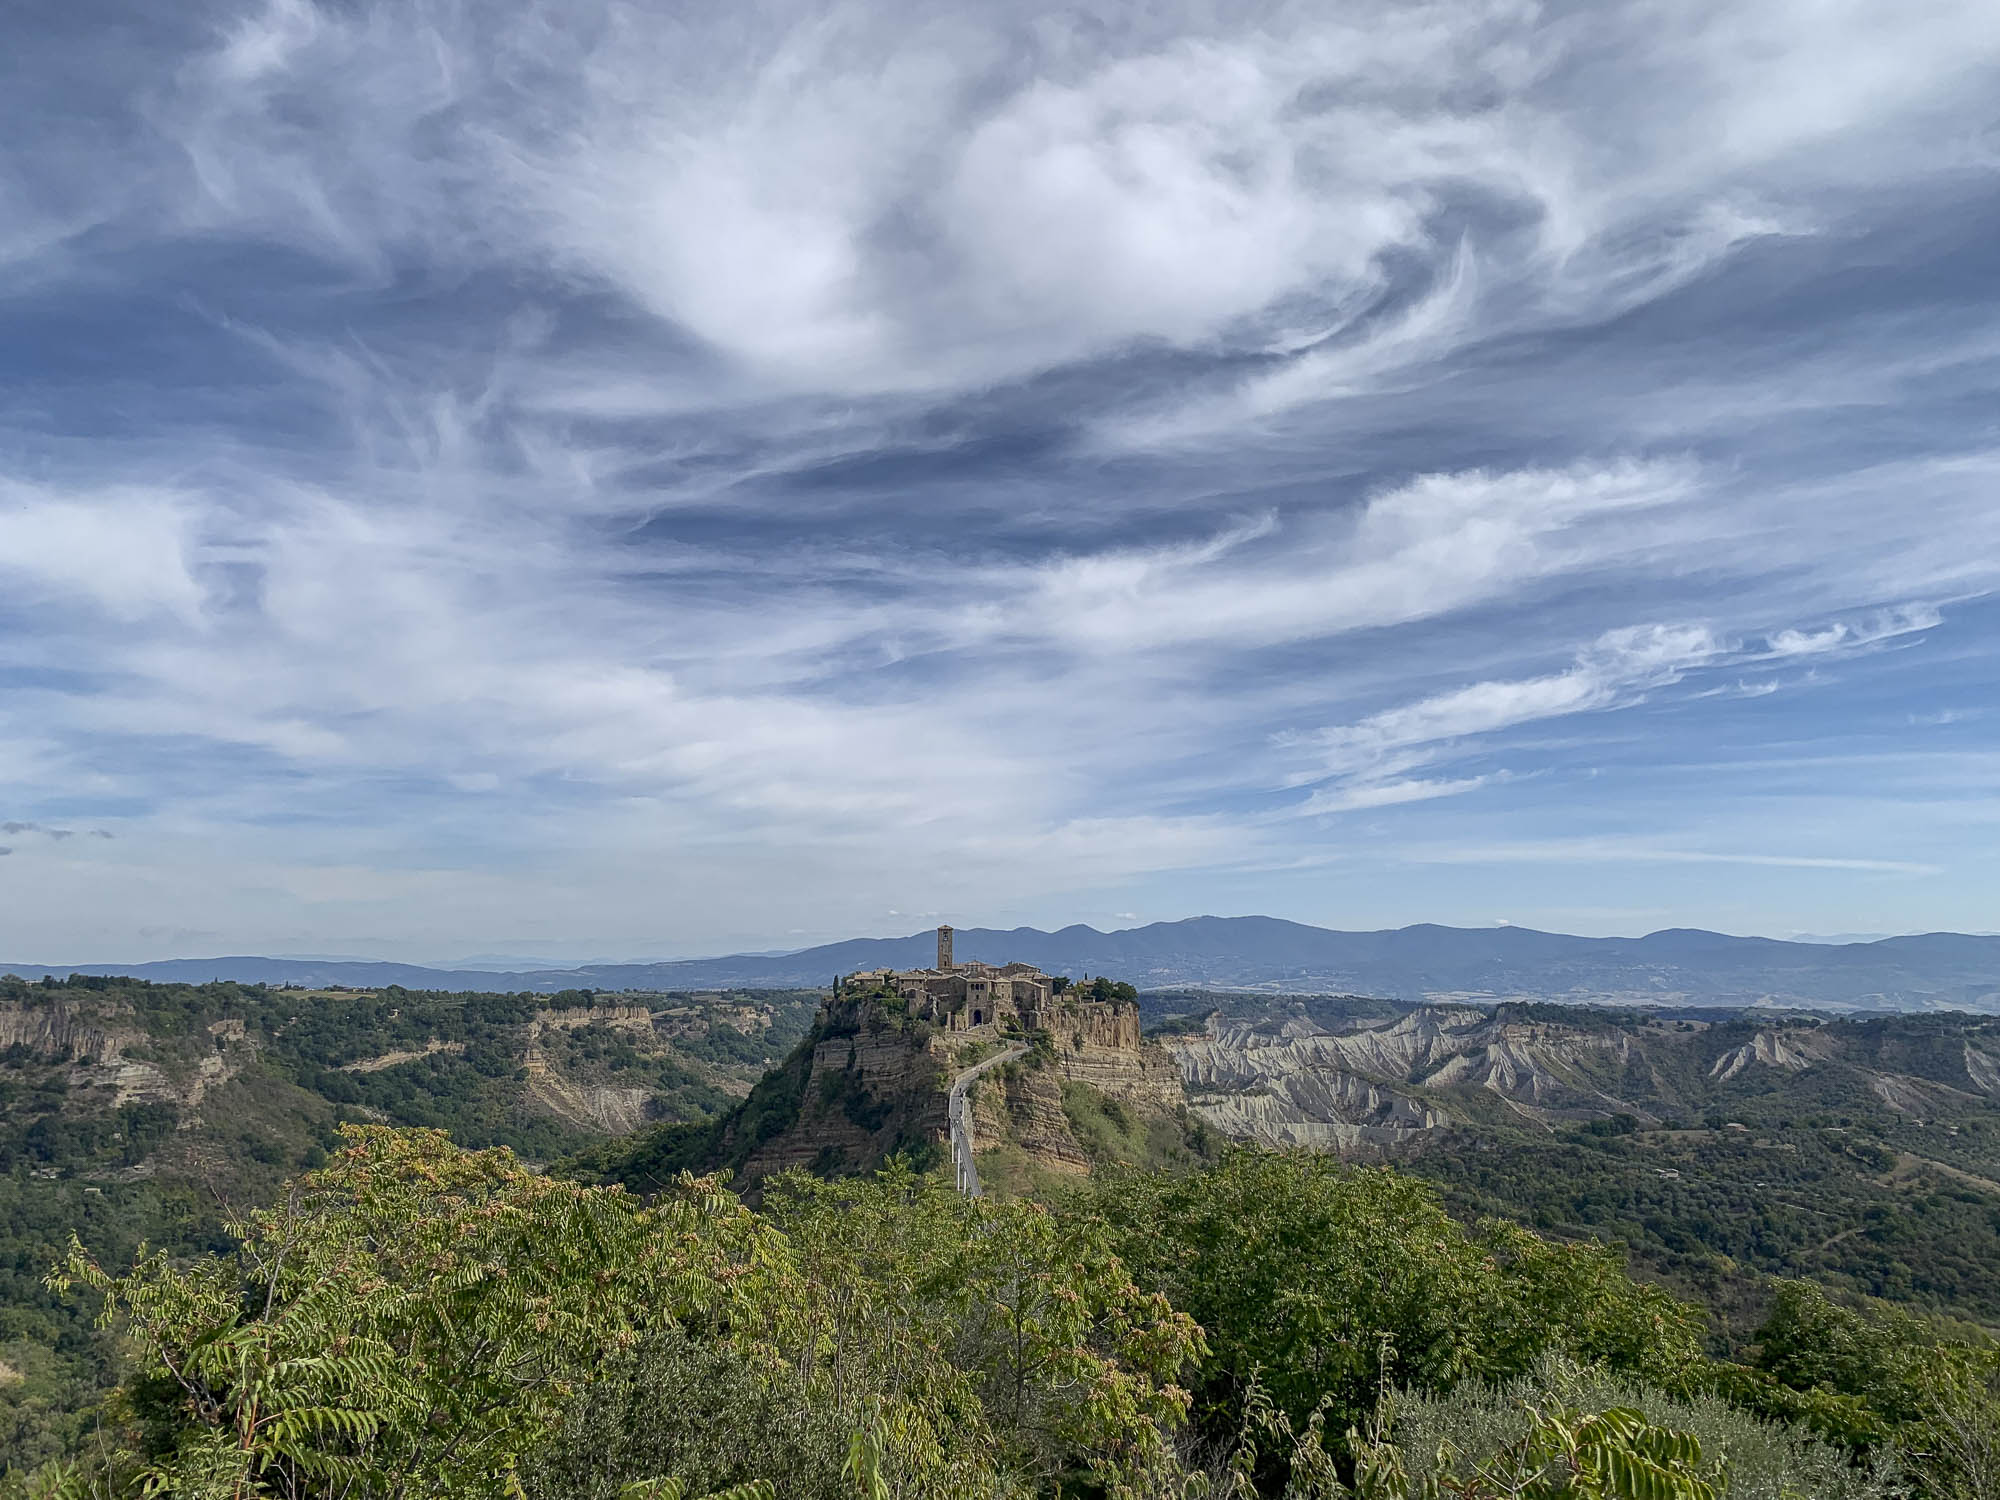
[[1112, 1132]]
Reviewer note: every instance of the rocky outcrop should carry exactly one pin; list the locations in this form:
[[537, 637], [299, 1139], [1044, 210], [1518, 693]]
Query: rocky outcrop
[[1022, 1107], [383, 1060], [1358, 1082], [1769, 1049], [1100, 1045], [575, 1096], [610, 1108], [876, 1083], [620, 1017], [1327, 1112], [105, 1051], [1292, 1082], [177, 1080], [65, 1032], [1982, 1068]]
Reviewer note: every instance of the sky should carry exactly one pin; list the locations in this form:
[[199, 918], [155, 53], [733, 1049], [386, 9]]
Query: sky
[[584, 479]]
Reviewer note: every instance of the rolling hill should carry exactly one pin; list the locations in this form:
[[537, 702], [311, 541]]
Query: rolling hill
[[1934, 971]]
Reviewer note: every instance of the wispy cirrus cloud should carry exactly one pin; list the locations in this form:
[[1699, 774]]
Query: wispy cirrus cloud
[[956, 454], [1614, 851], [1368, 761]]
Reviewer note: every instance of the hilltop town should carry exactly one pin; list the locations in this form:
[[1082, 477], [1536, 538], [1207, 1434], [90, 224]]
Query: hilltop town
[[974, 997], [874, 1077]]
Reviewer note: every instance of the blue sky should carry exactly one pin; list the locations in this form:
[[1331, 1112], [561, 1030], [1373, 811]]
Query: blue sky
[[591, 479]]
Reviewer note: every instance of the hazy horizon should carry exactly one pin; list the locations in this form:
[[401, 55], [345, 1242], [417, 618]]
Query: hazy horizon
[[586, 955]]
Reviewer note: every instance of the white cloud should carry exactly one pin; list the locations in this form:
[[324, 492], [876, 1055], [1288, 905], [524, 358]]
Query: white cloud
[[1367, 760], [878, 197], [1622, 851], [1840, 635], [1360, 795], [1437, 544], [1619, 667], [650, 266], [125, 552]]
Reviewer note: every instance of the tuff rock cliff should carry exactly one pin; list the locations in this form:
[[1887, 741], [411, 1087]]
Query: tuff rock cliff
[[104, 1054], [871, 1081]]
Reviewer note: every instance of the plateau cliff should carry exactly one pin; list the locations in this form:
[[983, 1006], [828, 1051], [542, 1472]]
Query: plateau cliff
[[871, 1080]]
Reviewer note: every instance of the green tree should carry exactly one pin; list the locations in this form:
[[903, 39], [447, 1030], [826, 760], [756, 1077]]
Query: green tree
[[1881, 1377], [1318, 1280], [1327, 1284], [415, 1320], [1578, 1299], [1067, 1364], [412, 1317], [1566, 1454]]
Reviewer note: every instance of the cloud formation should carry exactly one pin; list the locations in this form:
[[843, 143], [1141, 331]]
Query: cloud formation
[[521, 474]]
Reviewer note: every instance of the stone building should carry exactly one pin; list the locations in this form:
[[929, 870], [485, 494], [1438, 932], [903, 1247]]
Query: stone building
[[963, 997]]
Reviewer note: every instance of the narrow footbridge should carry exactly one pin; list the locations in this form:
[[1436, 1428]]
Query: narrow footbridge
[[959, 1112]]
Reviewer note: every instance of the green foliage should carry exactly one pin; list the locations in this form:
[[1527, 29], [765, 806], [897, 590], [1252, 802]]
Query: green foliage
[[674, 1489], [1565, 1454], [1551, 1451], [1022, 1314], [711, 1414], [413, 1319], [1113, 1133], [1706, 1207], [1577, 1299], [1324, 1283], [74, 1158], [1880, 1379], [1765, 1460], [409, 1319], [652, 1158], [1194, 1024], [417, 1320]]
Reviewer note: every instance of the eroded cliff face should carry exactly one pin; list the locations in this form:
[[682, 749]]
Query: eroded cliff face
[[1379, 1084], [1099, 1045], [1982, 1070], [1293, 1083], [614, 1109], [105, 1054], [1022, 1108], [63, 1031], [876, 1084]]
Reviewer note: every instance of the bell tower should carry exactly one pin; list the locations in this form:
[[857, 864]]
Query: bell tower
[[944, 950]]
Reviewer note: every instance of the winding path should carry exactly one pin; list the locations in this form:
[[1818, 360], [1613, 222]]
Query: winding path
[[960, 1116]]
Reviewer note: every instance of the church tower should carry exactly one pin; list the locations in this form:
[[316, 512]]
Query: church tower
[[944, 950]]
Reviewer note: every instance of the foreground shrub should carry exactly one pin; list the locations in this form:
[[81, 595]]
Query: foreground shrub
[[415, 1320], [1762, 1460], [1880, 1380], [1039, 1326], [1552, 1452], [703, 1412], [412, 1318], [1327, 1284]]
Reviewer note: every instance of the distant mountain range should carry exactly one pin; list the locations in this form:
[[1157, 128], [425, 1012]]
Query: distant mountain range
[[1682, 966]]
